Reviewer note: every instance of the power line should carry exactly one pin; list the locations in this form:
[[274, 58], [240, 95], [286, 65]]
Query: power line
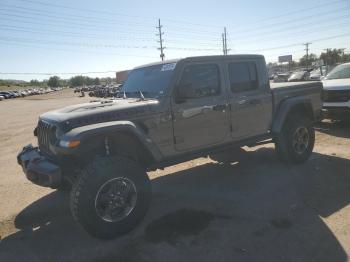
[[93, 36], [302, 10], [89, 19], [61, 22], [69, 33], [329, 26], [298, 21], [57, 15], [174, 20], [298, 44], [96, 45], [89, 26], [84, 9], [20, 43], [84, 44], [49, 74]]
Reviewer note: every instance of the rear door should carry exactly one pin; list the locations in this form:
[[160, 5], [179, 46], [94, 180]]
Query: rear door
[[201, 120], [250, 99]]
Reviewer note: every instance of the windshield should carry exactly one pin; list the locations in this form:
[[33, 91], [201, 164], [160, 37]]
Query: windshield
[[152, 81], [339, 72]]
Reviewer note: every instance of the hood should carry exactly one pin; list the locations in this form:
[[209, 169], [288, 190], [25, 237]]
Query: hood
[[336, 84], [98, 112]]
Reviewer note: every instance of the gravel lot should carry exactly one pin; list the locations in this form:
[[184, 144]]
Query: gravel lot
[[257, 209]]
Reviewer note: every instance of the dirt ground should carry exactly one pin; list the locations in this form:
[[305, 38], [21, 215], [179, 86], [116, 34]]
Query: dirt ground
[[256, 209]]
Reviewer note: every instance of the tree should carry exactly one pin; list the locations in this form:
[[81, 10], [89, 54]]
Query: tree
[[96, 81], [54, 81], [345, 58], [34, 82], [303, 61], [332, 56], [77, 81]]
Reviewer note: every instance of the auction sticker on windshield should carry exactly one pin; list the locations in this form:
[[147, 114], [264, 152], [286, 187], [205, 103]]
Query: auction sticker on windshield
[[168, 67]]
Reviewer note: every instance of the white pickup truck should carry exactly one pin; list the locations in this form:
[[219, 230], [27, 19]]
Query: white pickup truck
[[336, 93]]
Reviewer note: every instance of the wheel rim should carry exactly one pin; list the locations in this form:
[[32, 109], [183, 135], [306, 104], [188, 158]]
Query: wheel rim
[[301, 139], [116, 199]]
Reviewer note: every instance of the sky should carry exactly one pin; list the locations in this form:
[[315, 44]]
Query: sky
[[98, 38]]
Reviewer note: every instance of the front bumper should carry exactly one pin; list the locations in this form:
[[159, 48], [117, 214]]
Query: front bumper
[[339, 112], [38, 169]]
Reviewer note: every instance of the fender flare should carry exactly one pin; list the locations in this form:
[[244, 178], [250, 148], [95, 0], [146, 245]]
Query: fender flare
[[285, 108], [110, 128]]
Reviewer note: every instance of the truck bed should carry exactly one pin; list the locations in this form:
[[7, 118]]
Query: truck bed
[[309, 90]]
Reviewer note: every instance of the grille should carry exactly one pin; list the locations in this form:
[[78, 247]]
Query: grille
[[336, 95], [46, 132]]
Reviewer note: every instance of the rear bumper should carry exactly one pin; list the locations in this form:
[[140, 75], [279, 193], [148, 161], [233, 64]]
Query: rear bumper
[[38, 169]]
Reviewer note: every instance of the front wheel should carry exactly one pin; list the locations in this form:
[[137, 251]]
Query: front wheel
[[296, 141], [110, 197]]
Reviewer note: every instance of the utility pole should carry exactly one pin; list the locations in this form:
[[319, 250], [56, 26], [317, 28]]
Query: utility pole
[[224, 42], [160, 41], [307, 54], [328, 50]]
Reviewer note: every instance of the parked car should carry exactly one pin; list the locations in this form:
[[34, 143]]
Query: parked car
[[77, 90], [171, 112], [6, 94], [2, 98], [299, 76], [318, 73], [281, 77], [336, 93]]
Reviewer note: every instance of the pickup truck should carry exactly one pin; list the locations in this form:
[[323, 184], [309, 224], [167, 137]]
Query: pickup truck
[[336, 93], [166, 113]]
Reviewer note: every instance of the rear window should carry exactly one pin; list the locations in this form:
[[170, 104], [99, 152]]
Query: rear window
[[243, 76]]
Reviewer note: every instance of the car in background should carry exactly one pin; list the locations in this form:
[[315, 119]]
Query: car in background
[[299, 76], [336, 93], [16, 93], [318, 73], [6, 94], [1, 98], [281, 77]]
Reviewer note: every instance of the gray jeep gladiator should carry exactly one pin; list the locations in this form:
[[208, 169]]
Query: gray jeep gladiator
[[166, 113]]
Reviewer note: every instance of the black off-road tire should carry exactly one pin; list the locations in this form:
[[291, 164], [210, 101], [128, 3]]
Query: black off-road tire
[[87, 186], [64, 187], [284, 141]]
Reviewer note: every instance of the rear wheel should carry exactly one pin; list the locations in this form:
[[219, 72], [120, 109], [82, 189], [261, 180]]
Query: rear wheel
[[110, 197], [296, 141]]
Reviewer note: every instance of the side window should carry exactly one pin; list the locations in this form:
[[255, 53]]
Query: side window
[[200, 81], [243, 76]]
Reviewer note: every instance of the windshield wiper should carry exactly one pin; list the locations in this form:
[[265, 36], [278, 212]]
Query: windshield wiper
[[139, 93], [142, 97]]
